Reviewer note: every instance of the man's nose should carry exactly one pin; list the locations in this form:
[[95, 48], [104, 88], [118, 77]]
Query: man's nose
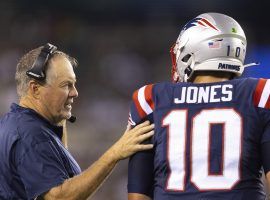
[[74, 93]]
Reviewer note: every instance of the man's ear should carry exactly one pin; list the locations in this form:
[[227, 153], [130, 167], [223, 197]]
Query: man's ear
[[34, 89]]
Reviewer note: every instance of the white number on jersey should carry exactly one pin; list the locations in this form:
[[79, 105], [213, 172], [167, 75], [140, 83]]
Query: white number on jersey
[[176, 121]]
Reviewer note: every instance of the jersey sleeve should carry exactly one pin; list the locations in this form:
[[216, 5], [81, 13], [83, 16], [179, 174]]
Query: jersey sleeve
[[261, 97], [141, 173], [142, 105], [141, 164], [261, 100]]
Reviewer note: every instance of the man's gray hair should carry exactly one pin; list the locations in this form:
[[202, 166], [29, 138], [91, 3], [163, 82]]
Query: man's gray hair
[[26, 62]]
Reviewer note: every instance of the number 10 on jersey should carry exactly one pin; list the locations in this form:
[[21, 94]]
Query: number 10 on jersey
[[176, 123]]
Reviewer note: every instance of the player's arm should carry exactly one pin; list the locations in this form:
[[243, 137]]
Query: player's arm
[[141, 176], [84, 185], [266, 165], [262, 102], [265, 149], [136, 196], [141, 165]]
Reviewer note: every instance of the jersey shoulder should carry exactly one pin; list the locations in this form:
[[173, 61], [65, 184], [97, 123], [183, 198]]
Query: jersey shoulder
[[147, 98], [261, 93], [142, 104], [254, 90]]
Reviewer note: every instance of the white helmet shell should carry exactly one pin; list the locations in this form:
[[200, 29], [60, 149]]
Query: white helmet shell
[[209, 42]]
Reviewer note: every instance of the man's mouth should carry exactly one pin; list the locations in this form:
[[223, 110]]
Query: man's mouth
[[68, 106]]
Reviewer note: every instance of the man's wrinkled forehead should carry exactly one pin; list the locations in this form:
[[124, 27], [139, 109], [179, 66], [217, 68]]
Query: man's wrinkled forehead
[[60, 68]]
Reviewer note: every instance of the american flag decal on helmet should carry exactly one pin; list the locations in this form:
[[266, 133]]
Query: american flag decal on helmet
[[261, 96], [200, 22]]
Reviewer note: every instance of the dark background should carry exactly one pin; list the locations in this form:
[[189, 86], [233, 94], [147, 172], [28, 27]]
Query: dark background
[[120, 45]]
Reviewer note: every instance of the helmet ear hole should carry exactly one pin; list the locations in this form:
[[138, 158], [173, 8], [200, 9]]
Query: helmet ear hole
[[186, 58]]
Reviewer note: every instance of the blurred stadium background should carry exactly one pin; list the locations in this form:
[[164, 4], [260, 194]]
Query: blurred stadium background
[[120, 45]]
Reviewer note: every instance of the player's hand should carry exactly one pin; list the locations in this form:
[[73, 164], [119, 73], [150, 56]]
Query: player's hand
[[131, 140]]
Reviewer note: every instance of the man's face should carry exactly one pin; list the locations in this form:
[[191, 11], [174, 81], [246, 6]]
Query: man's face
[[58, 93]]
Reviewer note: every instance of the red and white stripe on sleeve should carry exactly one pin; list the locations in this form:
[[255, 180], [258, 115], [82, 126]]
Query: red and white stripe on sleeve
[[261, 95], [144, 101]]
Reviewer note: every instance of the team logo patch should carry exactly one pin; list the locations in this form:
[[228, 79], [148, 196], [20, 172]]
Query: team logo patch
[[228, 66], [200, 22]]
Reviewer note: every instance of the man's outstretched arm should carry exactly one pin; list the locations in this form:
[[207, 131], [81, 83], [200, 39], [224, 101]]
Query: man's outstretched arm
[[84, 185]]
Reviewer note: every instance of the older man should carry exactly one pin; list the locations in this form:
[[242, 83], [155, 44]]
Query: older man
[[34, 161]]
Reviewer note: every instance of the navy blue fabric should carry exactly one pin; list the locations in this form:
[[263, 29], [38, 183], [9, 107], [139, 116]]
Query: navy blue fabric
[[266, 159], [143, 164], [33, 159], [255, 134]]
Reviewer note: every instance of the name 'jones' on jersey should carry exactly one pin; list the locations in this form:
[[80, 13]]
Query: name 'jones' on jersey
[[205, 94]]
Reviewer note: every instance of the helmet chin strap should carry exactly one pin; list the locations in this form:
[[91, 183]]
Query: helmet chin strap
[[251, 64]]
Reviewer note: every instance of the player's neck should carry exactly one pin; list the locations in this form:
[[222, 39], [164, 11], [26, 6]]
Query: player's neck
[[209, 79]]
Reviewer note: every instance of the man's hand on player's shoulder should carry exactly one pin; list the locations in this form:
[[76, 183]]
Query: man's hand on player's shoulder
[[131, 141]]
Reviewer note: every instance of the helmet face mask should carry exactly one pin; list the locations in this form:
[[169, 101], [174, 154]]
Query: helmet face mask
[[209, 42]]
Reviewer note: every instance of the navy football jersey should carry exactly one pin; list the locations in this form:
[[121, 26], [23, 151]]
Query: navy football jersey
[[207, 141]]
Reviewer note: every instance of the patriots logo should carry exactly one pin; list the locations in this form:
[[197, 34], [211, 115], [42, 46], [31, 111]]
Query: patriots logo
[[200, 22]]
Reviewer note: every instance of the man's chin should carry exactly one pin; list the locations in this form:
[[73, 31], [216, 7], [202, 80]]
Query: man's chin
[[67, 115], [64, 115], [62, 118]]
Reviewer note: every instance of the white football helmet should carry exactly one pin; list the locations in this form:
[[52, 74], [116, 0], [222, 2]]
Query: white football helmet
[[209, 42]]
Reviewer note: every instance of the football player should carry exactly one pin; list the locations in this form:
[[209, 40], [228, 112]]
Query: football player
[[212, 128]]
